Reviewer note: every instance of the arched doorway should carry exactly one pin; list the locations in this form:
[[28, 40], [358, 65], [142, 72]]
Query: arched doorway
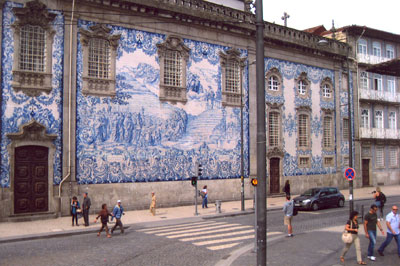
[[31, 179]]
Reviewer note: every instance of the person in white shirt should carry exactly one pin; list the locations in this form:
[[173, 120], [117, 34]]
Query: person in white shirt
[[393, 230]]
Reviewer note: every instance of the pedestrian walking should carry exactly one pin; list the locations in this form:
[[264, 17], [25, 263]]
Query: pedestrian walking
[[118, 211], [352, 228], [204, 195], [380, 200], [104, 214], [75, 209], [288, 215], [86, 207], [286, 188], [153, 203], [393, 230], [370, 224]]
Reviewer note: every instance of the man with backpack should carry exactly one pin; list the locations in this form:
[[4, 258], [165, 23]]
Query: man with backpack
[[380, 200]]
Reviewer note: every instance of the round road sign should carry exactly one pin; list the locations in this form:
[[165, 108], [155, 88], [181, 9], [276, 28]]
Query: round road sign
[[349, 173]]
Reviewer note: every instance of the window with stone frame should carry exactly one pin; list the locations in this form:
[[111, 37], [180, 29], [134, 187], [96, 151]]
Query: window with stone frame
[[303, 86], [379, 157], [328, 161], [327, 132], [303, 127], [392, 120], [99, 50], [327, 89], [379, 119], [173, 56], [33, 43], [273, 129], [393, 157], [273, 80], [232, 66], [378, 83]]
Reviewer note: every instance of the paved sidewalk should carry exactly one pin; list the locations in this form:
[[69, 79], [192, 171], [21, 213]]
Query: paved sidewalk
[[11, 231]]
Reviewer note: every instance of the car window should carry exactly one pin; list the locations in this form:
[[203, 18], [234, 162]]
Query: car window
[[311, 192], [332, 191]]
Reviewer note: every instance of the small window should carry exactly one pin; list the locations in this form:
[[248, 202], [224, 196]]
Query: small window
[[346, 161], [328, 161], [380, 157], [389, 51], [365, 118], [393, 154], [327, 89], [376, 49], [345, 129], [364, 80], [304, 162], [362, 46], [273, 83], [302, 87]]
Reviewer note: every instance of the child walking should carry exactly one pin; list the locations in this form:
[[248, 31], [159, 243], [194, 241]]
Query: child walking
[[104, 213]]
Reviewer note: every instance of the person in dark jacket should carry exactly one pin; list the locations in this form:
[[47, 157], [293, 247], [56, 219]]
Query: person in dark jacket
[[286, 188], [117, 213], [104, 214], [86, 207], [75, 208]]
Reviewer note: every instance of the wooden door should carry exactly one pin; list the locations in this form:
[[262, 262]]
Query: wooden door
[[365, 172], [274, 175], [31, 179]]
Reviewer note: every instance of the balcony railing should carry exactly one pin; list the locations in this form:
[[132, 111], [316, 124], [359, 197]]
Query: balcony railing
[[379, 133], [371, 59], [383, 96]]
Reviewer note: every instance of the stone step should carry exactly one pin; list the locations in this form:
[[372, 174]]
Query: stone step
[[26, 217]]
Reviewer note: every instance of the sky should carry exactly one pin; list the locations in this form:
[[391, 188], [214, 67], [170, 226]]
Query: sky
[[305, 14]]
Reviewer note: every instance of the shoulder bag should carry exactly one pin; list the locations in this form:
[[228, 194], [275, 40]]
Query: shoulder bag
[[347, 238]]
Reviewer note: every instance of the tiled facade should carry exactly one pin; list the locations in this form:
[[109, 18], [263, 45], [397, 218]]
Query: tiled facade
[[123, 135]]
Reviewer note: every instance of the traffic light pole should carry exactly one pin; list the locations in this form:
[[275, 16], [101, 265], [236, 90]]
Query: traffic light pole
[[195, 200]]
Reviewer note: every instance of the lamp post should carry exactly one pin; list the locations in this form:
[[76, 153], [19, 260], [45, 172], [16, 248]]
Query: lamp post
[[241, 149], [351, 202]]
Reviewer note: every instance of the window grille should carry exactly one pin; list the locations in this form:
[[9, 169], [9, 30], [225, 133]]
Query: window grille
[[273, 129], [345, 129], [365, 118], [393, 157], [302, 87], [303, 130], [172, 69], [232, 79], [328, 161], [326, 91], [327, 132], [32, 48], [273, 83], [380, 159], [303, 161], [99, 58], [346, 161]]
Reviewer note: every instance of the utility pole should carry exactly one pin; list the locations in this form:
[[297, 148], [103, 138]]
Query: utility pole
[[241, 150], [351, 200], [261, 140]]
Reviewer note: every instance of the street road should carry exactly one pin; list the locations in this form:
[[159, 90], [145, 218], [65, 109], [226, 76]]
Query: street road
[[196, 241]]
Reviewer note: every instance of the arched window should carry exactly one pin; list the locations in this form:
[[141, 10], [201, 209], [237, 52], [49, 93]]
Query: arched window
[[365, 118], [378, 119], [392, 120], [273, 83], [326, 91]]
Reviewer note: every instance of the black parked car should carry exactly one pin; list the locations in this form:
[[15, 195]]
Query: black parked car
[[316, 198]]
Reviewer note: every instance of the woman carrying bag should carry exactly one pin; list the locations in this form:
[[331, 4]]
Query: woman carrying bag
[[352, 228]]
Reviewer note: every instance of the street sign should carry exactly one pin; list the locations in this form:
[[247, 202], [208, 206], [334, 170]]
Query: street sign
[[350, 173]]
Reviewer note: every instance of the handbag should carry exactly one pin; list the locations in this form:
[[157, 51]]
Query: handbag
[[347, 238]]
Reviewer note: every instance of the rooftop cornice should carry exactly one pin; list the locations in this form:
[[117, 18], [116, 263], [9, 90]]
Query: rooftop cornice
[[219, 17]]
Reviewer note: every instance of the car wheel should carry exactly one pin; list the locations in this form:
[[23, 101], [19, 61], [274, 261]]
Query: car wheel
[[340, 203], [314, 206]]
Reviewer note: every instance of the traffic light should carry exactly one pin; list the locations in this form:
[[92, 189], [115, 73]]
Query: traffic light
[[194, 180], [199, 170], [254, 182]]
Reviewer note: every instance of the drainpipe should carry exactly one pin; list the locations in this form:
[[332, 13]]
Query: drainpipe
[[69, 106]]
